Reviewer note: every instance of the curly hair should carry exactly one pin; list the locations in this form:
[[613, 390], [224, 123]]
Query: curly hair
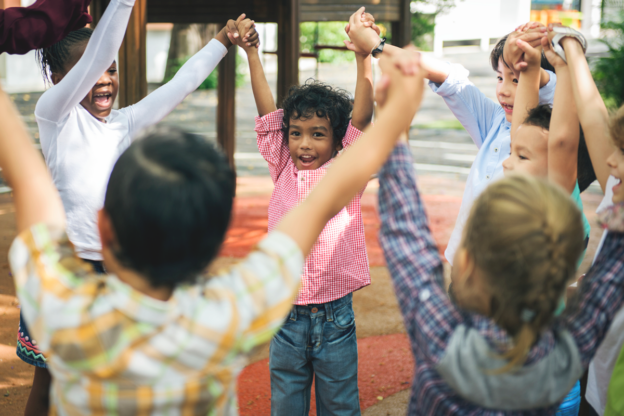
[[317, 98]]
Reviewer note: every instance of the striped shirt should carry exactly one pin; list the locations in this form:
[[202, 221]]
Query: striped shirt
[[338, 263], [113, 350]]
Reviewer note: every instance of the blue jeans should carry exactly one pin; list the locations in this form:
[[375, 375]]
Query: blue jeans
[[316, 341]]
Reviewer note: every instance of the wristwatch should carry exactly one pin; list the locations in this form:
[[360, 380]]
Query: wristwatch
[[379, 48], [562, 32]]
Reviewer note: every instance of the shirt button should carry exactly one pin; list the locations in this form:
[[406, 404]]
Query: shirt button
[[487, 177], [424, 295], [496, 150], [302, 178]]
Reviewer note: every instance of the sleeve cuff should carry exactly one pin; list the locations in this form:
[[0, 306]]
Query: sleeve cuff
[[270, 122], [547, 92], [458, 75], [219, 47]]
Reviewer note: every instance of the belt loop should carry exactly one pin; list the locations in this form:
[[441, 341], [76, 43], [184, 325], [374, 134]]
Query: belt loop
[[329, 311], [293, 313]]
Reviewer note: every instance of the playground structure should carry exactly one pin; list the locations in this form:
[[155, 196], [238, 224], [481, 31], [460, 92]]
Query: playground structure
[[286, 13]]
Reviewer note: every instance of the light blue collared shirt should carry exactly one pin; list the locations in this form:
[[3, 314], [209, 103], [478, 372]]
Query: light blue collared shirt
[[485, 121]]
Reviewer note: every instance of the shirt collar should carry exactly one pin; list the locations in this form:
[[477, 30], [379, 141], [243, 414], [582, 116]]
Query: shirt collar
[[139, 306]]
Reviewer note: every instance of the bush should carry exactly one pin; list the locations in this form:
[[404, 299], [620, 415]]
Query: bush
[[608, 71], [325, 33]]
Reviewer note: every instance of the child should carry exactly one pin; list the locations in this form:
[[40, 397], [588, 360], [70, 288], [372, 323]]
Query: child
[[487, 122], [594, 118], [545, 142], [41, 24], [151, 337], [82, 136], [519, 251], [299, 142]]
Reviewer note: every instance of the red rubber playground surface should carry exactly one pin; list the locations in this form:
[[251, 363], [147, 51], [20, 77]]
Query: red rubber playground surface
[[385, 362]]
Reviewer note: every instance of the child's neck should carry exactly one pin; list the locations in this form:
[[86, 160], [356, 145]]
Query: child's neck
[[137, 281]]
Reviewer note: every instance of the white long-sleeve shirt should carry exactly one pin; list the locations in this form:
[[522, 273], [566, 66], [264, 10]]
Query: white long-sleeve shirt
[[80, 150]]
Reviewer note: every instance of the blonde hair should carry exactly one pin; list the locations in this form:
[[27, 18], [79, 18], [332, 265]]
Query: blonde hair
[[616, 127], [526, 236]]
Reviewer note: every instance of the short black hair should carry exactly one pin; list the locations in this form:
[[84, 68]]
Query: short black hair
[[497, 54], [317, 98], [169, 199], [54, 58], [540, 117]]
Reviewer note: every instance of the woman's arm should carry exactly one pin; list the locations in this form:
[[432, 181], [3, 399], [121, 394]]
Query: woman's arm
[[36, 199], [56, 103], [41, 24], [591, 109]]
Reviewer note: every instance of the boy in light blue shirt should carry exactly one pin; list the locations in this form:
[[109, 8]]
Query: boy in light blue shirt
[[488, 122]]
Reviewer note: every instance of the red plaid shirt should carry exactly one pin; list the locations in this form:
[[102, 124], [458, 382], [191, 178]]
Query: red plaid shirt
[[338, 263]]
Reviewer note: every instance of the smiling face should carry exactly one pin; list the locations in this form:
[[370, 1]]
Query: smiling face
[[506, 88], [311, 142], [529, 152], [100, 99]]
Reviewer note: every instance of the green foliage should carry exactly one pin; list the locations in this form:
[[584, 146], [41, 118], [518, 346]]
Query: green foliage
[[422, 30], [212, 81], [608, 70], [325, 33]]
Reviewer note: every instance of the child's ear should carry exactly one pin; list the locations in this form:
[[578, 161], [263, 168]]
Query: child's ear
[[56, 78]]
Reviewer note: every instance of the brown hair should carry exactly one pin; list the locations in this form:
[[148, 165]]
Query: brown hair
[[616, 127], [497, 54], [526, 236]]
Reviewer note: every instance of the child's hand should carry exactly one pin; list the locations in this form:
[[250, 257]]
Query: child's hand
[[529, 25], [513, 55], [369, 21], [531, 57], [554, 59], [250, 38], [363, 38], [242, 32]]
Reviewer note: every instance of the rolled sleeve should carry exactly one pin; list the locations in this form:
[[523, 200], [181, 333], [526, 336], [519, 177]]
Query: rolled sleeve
[[351, 136], [469, 105], [270, 139]]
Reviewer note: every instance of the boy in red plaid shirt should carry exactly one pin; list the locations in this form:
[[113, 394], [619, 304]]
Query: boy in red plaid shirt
[[300, 141]]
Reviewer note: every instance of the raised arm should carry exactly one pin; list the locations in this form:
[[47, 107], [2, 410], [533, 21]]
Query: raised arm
[[352, 170], [100, 53], [36, 199], [591, 109], [363, 105], [564, 132], [156, 106], [265, 103], [41, 24], [527, 93]]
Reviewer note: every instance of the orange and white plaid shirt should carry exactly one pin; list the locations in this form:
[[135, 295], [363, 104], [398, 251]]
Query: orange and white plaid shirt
[[338, 262], [115, 351]]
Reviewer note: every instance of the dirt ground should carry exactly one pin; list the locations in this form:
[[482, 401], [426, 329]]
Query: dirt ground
[[375, 306]]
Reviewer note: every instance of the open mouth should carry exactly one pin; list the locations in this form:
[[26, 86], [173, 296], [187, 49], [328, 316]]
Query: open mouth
[[103, 100], [307, 160], [617, 185], [508, 108]]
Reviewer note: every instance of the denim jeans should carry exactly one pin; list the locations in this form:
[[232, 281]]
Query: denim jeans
[[316, 341]]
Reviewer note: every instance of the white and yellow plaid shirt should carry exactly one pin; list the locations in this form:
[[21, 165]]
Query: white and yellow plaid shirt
[[114, 351]]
